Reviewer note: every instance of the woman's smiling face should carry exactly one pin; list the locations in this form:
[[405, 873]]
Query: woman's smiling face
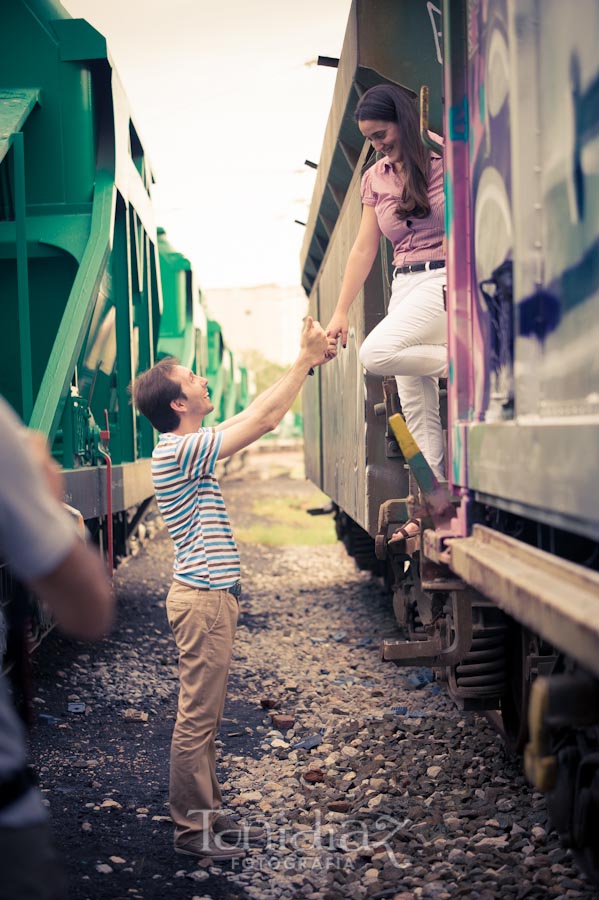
[[384, 137]]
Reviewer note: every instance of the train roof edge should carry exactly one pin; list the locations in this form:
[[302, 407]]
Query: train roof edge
[[365, 61]]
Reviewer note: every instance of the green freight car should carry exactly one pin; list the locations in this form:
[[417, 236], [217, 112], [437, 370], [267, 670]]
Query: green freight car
[[187, 333], [91, 292]]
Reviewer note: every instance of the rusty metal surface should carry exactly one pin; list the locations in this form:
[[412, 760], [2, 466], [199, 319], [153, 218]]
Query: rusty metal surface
[[435, 651], [554, 598]]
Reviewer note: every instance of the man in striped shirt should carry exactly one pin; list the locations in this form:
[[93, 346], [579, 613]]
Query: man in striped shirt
[[202, 605]]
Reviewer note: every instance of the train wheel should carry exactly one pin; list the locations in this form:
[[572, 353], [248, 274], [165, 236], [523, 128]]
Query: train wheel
[[520, 645], [562, 756], [358, 543], [586, 818], [573, 804]]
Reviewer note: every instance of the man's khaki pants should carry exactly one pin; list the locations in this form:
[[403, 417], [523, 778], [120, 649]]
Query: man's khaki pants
[[203, 623]]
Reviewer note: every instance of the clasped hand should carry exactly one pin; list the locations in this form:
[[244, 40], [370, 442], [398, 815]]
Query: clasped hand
[[316, 344], [338, 327]]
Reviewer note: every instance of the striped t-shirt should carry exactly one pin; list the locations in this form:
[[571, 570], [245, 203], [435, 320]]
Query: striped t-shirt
[[193, 508]]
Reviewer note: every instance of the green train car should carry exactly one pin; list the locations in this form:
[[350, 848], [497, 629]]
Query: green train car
[[197, 341], [91, 291]]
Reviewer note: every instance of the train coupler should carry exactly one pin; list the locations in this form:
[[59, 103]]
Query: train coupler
[[439, 649]]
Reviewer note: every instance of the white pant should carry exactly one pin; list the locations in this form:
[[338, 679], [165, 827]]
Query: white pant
[[411, 343]]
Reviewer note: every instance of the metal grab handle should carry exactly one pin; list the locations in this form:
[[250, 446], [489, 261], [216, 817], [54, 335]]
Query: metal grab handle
[[105, 437], [425, 134]]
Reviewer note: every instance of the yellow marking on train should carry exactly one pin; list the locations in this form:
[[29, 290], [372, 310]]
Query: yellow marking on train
[[408, 445]]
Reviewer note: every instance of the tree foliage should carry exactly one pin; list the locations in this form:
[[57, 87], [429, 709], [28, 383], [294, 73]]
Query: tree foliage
[[266, 372]]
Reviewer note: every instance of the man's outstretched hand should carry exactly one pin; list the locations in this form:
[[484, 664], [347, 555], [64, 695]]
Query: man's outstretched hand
[[315, 344]]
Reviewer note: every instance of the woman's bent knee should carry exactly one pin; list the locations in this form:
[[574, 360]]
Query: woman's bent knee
[[377, 360]]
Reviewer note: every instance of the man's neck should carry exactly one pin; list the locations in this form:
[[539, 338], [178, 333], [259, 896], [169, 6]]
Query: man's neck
[[188, 425]]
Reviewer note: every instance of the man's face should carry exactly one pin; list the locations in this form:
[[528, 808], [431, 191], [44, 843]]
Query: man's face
[[194, 391]]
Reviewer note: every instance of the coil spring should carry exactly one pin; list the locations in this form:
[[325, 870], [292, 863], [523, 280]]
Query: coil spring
[[415, 627], [483, 671]]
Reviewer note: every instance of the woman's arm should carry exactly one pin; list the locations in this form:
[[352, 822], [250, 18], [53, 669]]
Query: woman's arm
[[359, 263]]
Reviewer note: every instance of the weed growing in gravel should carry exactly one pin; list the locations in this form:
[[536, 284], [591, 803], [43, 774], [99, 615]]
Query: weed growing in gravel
[[283, 521]]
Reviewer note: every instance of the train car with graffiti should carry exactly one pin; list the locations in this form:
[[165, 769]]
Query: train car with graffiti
[[92, 292], [500, 591]]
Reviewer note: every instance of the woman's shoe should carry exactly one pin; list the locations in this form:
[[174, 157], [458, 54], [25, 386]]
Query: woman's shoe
[[409, 529]]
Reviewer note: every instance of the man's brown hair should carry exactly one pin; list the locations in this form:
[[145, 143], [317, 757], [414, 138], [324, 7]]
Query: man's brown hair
[[153, 392]]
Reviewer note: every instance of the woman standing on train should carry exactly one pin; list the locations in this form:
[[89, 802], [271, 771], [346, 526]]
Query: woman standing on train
[[402, 196]]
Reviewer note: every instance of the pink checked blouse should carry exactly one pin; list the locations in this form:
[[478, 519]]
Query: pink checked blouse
[[413, 240]]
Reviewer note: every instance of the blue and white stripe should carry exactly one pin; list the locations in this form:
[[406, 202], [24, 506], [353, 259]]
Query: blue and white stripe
[[193, 508]]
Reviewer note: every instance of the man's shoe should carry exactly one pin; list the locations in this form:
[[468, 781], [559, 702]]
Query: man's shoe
[[208, 846], [233, 832]]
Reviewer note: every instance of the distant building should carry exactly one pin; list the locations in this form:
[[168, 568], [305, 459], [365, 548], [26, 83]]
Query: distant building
[[266, 318]]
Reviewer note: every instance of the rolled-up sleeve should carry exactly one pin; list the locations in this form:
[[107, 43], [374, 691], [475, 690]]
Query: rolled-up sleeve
[[197, 453], [368, 195]]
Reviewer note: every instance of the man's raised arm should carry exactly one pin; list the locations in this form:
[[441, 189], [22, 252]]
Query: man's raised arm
[[257, 404], [265, 413]]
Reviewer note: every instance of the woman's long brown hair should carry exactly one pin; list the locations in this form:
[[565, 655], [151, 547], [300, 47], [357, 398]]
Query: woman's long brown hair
[[389, 103]]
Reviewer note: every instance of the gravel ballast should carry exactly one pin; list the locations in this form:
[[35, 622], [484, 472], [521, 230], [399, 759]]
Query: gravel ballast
[[369, 781]]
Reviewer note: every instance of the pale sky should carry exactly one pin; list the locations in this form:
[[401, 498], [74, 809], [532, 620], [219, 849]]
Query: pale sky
[[228, 103]]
